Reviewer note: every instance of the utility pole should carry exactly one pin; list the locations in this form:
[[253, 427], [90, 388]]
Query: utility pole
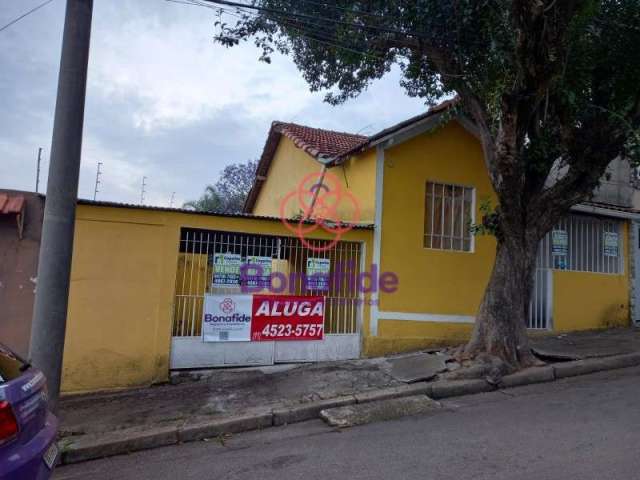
[[38, 169], [98, 182], [143, 190], [54, 264], [173, 197]]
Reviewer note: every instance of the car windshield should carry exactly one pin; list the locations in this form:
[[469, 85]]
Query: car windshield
[[11, 366]]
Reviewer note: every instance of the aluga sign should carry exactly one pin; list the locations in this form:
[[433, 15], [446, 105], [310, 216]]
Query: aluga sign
[[259, 318], [277, 317]]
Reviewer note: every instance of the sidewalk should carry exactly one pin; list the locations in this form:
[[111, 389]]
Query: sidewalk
[[215, 403]]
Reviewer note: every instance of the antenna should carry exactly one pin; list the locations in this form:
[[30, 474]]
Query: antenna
[[143, 190], [173, 197], [98, 182], [38, 169]]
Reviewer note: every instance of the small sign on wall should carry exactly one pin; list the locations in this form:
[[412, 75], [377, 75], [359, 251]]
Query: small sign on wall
[[559, 242], [318, 273], [610, 244], [227, 318], [259, 277], [226, 269]]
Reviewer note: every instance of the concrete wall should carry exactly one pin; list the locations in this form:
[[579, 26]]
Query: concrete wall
[[18, 270], [450, 284], [584, 300], [291, 165], [123, 283], [288, 167], [431, 281]]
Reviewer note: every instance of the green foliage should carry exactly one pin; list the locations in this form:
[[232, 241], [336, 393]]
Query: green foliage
[[547, 82], [489, 224], [229, 192], [209, 201]]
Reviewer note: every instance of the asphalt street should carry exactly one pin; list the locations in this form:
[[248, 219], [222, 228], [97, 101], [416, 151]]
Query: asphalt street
[[581, 428]]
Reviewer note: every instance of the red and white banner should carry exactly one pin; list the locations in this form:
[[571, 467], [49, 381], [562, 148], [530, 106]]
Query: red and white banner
[[262, 318], [287, 317]]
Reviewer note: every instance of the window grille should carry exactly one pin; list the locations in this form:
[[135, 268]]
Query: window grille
[[448, 217]]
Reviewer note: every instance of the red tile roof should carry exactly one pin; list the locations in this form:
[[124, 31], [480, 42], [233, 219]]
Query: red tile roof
[[318, 142], [324, 144]]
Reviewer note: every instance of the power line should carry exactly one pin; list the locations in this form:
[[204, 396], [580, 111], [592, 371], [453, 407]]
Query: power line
[[302, 15], [318, 37], [317, 34], [15, 20]]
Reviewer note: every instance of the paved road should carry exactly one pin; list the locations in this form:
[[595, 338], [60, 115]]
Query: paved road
[[583, 428]]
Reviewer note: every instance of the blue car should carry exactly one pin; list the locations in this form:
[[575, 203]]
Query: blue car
[[28, 429]]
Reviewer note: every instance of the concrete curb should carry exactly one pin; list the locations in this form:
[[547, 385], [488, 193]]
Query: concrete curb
[[90, 447], [307, 411], [215, 428]]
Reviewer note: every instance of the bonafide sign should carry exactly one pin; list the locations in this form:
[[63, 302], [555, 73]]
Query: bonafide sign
[[262, 318]]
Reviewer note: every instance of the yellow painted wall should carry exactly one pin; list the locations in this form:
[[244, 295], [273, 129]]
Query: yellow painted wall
[[288, 167], [432, 281], [291, 165], [358, 176], [583, 301], [396, 336], [123, 282]]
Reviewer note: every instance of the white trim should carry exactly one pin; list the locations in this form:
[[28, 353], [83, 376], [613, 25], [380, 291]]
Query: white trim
[[606, 212], [361, 299], [426, 317], [377, 235], [422, 126], [549, 294]]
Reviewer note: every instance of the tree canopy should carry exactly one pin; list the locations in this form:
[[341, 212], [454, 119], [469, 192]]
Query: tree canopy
[[228, 194]]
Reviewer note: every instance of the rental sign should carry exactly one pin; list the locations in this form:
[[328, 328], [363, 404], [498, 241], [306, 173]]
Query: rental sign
[[262, 318]]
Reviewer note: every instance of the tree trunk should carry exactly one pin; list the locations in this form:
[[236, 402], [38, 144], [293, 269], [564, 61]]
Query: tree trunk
[[500, 328]]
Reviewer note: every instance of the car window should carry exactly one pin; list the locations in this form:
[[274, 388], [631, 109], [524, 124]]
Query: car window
[[10, 366]]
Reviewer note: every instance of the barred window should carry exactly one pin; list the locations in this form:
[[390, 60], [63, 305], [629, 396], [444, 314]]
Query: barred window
[[584, 243], [448, 217]]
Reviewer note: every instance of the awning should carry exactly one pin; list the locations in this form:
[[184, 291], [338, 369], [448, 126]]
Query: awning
[[13, 205]]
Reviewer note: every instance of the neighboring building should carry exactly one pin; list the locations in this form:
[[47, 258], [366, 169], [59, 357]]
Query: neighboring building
[[20, 227]]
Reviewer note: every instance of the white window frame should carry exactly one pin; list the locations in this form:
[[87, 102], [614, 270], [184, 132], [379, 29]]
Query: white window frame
[[437, 183]]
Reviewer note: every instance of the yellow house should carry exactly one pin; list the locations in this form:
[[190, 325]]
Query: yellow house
[[422, 184], [142, 276]]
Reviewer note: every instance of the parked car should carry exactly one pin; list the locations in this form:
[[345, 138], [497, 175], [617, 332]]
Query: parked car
[[28, 429]]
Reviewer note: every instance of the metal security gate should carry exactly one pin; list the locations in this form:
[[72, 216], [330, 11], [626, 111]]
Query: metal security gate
[[194, 279], [589, 248]]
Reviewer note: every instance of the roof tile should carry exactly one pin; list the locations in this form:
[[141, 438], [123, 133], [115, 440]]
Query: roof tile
[[318, 142]]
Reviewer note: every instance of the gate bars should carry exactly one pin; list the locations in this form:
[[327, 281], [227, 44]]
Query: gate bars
[[195, 272]]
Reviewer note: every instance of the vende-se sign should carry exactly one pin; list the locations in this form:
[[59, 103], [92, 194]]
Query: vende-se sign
[[262, 318]]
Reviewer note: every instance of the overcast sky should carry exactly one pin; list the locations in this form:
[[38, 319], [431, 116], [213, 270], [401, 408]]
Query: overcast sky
[[163, 101]]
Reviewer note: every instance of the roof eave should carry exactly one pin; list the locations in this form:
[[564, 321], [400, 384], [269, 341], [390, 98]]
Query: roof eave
[[607, 212]]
